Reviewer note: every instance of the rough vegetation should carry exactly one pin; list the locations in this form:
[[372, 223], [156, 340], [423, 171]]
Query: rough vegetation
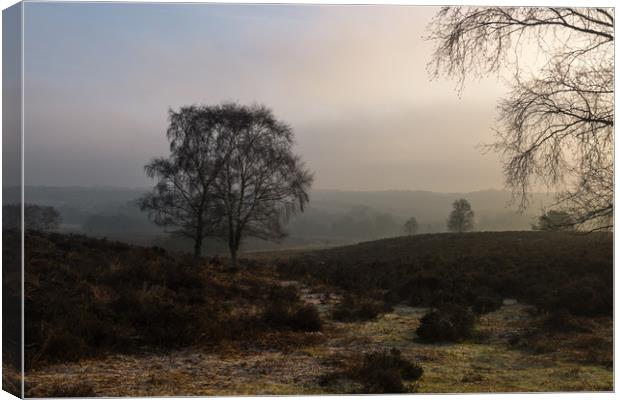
[[358, 309], [550, 270], [449, 323], [383, 372], [460, 319], [293, 316], [378, 372], [87, 297], [66, 389]]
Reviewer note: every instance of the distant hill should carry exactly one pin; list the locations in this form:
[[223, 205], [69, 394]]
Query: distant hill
[[493, 208], [375, 215], [333, 216], [426, 204]]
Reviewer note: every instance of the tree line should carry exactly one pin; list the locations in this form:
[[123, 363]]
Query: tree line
[[461, 219]]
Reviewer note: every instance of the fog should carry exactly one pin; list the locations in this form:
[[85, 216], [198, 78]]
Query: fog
[[350, 80]]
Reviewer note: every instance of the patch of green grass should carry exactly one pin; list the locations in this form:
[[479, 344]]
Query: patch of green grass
[[483, 368]]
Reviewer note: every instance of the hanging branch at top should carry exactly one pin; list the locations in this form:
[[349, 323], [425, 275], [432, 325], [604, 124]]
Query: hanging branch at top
[[555, 127]]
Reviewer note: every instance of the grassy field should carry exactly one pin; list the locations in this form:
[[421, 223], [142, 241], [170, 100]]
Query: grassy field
[[109, 319]]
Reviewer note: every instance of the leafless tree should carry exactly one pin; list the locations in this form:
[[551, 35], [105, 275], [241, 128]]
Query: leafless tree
[[36, 217], [461, 218], [262, 182], [182, 198], [555, 127], [411, 226]]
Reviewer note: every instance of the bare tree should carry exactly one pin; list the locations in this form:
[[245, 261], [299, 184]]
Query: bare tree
[[182, 198], [411, 226], [556, 124], [36, 217], [461, 218], [262, 183]]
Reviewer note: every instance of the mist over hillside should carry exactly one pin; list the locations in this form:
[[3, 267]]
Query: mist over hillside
[[493, 208], [333, 217]]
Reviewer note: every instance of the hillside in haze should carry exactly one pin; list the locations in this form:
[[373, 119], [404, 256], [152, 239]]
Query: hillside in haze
[[333, 216]]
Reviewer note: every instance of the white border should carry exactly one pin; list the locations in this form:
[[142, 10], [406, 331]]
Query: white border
[[591, 3]]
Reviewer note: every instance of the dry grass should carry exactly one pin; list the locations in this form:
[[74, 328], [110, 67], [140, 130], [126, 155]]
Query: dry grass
[[88, 297], [511, 349], [62, 389], [486, 363]]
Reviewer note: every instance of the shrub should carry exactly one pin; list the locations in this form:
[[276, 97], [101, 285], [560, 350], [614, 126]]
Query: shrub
[[283, 294], [61, 344], [358, 309], [304, 318], [456, 295], [449, 323], [584, 297], [383, 372], [383, 381], [420, 297], [564, 321], [486, 302], [285, 310]]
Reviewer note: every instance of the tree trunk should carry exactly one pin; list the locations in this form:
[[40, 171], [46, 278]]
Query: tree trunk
[[197, 247], [198, 241], [233, 254]]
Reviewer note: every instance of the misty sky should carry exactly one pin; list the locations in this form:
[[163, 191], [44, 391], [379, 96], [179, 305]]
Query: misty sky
[[350, 80]]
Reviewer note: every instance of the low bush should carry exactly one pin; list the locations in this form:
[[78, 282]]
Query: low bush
[[450, 323], [564, 321], [352, 309], [584, 297], [383, 372], [307, 319], [296, 317], [376, 373], [59, 344], [287, 295], [486, 302], [286, 311], [455, 295]]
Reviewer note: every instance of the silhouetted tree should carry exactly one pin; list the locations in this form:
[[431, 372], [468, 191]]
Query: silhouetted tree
[[462, 217], [411, 226], [36, 217], [262, 182], [555, 221], [556, 125], [182, 198]]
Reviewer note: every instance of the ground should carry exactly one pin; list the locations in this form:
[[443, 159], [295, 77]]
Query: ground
[[489, 362]]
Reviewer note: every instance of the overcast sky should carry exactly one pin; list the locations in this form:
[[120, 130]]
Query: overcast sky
[[350, 80]]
